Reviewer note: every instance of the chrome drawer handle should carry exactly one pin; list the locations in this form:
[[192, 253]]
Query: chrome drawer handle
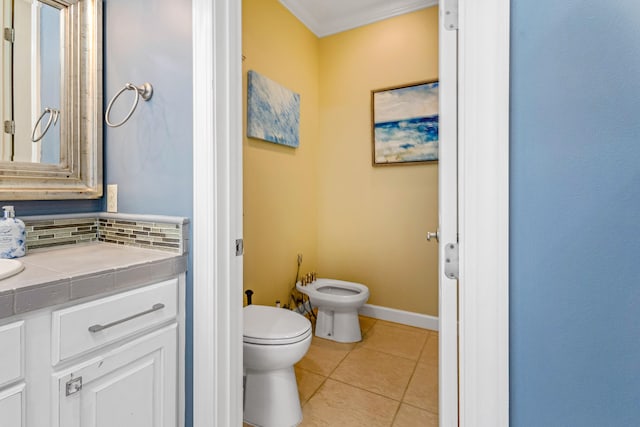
[[98, 328]]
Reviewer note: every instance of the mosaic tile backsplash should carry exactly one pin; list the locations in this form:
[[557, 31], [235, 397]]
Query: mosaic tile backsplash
[[44, 233], [150, 235], [58, 232]]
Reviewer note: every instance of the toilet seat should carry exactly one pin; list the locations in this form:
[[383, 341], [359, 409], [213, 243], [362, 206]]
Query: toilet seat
[[266, 325]]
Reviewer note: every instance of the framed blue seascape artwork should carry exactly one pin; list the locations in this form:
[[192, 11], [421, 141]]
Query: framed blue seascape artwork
[[405, 124], [273, 111]]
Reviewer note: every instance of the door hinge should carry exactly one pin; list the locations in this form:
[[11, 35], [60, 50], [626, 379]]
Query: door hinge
[[9, 127], [10, 34], [73, 386], [450, 15], [239, 247], [451, 257]]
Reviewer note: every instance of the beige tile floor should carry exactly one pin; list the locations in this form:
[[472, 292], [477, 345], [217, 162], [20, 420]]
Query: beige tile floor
[[388, 379]]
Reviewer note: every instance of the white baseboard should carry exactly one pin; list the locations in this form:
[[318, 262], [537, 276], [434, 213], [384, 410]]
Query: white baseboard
[[400, 316]]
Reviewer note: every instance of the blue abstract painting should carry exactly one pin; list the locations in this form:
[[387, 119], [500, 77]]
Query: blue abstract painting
[[273, 111], [405, 124]]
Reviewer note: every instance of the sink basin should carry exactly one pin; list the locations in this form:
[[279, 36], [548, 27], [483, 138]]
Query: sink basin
[[9, 267]]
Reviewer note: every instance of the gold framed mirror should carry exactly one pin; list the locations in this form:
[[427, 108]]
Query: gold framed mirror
[[52, 107]]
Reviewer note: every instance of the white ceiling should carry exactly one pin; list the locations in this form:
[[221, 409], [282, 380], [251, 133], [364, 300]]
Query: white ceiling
[[326, 17]]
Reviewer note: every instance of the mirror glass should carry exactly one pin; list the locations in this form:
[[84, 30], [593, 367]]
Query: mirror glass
[[32, 77], [51, 92]]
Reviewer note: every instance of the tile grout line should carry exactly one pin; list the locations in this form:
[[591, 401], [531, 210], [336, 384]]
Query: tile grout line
[[393, 420], [315, 391], [415, 367], [399, 355], [399, 402], [419, 408], [403, 328], [370, 392], [360, 345], [364, 389], [336, 367]]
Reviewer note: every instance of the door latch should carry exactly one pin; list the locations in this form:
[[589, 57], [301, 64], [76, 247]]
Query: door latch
[[239, 247], [451, 260], [9, 34], [9, 127], [73, 386]]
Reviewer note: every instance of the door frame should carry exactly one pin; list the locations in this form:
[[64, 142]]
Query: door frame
[[217, 213], [483, 181], [483, 212]]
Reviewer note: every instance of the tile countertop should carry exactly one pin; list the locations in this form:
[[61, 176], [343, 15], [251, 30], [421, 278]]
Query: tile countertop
[[58, 275]]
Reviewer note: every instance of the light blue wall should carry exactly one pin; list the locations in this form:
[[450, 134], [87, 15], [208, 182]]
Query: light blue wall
[[575, 213], [150, 156], [50, 80], [41, 207]]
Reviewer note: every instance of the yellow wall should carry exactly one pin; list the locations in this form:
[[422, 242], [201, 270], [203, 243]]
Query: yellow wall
[[373, 220], [350, 220], [280, 209]]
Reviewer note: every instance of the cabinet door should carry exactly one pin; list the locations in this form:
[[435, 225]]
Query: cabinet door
[[132, 386], [12, 406]]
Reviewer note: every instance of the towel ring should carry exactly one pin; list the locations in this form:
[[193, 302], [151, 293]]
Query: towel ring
[[145, 91], [53, 118]]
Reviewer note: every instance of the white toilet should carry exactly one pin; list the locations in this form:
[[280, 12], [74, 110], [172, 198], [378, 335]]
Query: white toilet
[[338, 303], [274, 340]]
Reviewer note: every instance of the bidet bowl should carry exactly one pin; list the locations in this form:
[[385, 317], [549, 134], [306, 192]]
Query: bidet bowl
[[338, 303], [335, 295]]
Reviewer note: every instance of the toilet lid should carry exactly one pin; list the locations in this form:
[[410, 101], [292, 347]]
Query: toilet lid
[[271, 325]]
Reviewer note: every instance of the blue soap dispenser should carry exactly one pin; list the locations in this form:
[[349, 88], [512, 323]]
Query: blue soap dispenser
[[12, 235]]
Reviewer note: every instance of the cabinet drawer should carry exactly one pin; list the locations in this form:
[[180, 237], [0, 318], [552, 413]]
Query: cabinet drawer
[[11, 351], [84, 327]]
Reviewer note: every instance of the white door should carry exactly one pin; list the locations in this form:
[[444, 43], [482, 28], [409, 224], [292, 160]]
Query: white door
[[133, 386], [448, 216]]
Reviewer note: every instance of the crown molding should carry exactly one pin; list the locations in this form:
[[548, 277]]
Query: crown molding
[[332, 17]]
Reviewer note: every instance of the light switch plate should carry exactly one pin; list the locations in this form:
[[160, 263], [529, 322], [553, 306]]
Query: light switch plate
[[112, 198]]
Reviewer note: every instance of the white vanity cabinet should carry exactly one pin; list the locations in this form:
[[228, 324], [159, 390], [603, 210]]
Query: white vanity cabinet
[[130, 385], [115, 360]]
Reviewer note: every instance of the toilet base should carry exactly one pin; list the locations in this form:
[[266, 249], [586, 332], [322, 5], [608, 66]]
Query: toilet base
[[271, 398], [338, 326]]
